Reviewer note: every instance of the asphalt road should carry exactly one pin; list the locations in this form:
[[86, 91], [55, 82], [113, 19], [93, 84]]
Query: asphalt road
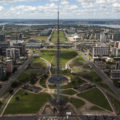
[[19, 118], [102, 75], [7, 84]]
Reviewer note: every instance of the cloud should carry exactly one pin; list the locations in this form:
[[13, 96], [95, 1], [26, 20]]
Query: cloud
[[1, 8], [68, 9]]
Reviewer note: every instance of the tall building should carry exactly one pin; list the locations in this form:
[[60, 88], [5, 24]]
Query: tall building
[[13, 53], [116, 52], [19, 44], [2, 37], [9, 64], [3, 47], [1, 71], [116, 37], [103, 37], [115, 74]]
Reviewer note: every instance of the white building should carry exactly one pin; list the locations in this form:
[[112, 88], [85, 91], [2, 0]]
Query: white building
[[116, 52], [34, 45], [13, 53], [101, 52], [103, 37], [12, 42]]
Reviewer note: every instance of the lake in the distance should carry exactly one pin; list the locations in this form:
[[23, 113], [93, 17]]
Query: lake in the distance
[[102, 25]]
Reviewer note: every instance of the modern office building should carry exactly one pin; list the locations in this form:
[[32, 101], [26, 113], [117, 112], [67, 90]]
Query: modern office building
[[2, 37], [101, 52], [19, 44], [3, 47], [116, 37]]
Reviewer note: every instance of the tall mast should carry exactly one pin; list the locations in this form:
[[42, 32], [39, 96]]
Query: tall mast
[[58, 56]]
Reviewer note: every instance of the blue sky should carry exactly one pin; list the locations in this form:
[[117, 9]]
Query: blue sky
[[69, 9]]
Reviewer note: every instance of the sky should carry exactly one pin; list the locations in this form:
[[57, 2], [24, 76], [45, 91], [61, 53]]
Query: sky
[[69, 9]]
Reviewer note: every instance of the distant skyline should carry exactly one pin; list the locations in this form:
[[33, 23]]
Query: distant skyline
[[69, 9]]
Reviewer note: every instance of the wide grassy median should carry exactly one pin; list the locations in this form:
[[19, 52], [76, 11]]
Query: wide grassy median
[[62, 37]]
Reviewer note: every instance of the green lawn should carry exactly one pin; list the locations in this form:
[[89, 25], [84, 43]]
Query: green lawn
[[79, 65], [43, 80], [95, 96], [27, 103], [75, 82], [116, 103], [95, 108], [62, 37], [41, 39], [69, 92], [38, 62], [66, 55], [76, 102]]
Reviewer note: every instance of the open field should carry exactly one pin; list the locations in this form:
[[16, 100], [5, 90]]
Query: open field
[[95, 108], [116, 104], [69, 92], [43, 80], [75, 82], [24, 103], [41, 39], [38, 62], [76, 102], [62, 37], [66, 55], [96, 97]]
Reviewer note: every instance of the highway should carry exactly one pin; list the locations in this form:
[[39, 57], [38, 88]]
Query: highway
[[7, 84], [102, 75]]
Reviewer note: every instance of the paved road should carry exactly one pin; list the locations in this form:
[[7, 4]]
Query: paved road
[[14, 76], [102, 75], [82, 117], [19, 118]]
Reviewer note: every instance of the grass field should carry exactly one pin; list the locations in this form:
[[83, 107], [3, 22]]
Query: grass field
[[66, 55], [41, 39], [76, 102], [69, 92], [116, 103], [95, 108], [24, 103], [96, 97], [43, 80], [38, 62], [62, 37], [75, 82]]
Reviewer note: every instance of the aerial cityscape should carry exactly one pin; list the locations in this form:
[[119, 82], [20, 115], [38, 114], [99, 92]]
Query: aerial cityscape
[[56, 66]]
